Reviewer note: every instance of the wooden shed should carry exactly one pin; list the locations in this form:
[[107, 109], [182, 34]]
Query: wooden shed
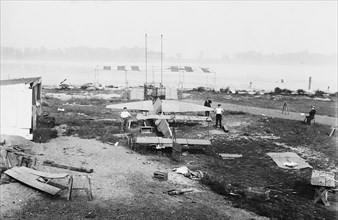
[[20, 105]]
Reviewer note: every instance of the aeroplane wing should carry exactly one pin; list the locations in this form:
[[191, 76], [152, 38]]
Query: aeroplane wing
[[141, 105], [176, 106], [161, 105]]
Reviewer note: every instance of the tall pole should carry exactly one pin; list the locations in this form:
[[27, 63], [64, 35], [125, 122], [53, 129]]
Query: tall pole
[[309, 83], [146, 58], [125, 78], [214, 80], [161, 59]]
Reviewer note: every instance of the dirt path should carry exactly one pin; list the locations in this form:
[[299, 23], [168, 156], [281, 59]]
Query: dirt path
[[122, 185], [270, 112]]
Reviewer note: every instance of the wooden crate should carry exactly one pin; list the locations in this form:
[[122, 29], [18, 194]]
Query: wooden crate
[[161, 175]]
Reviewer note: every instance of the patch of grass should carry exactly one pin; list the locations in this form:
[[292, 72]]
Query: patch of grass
[[300, 104], [235, 112], [290, 197], [43, 135]]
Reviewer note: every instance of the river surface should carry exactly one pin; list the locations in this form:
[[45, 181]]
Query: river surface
[[235, 76]]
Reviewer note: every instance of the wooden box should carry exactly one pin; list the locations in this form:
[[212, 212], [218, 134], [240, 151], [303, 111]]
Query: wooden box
[[146, 129], [161, 175]]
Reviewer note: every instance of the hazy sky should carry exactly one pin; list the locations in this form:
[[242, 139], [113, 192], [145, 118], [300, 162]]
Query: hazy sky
[[188, 27]]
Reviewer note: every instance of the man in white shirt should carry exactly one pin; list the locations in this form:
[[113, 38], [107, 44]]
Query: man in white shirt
[[124, 116], [219, 111]]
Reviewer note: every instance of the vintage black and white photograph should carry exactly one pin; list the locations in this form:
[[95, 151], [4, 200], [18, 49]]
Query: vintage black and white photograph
[[186, 109]]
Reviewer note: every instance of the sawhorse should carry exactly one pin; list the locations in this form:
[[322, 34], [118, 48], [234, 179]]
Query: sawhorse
[[87, 189], [321, 194]]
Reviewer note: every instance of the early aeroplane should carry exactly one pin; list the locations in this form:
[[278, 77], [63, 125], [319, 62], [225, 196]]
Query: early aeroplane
[[160, 112]]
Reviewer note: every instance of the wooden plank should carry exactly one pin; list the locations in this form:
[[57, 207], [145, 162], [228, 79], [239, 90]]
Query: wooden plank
[[79, 169], [193, 141], [31, 180], [332, 131], [40, 173], [153, 140], [183, 141]]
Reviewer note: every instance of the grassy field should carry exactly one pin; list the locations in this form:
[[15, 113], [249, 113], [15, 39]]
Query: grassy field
[[291, 195], [301, 104]]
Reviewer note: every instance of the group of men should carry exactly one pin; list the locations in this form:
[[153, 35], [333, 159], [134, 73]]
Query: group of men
[[219, 111]]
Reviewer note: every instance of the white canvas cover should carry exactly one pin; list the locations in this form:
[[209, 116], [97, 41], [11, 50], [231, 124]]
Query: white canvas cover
[[176, 106], [140, 105], [167, 106], [284, 158]]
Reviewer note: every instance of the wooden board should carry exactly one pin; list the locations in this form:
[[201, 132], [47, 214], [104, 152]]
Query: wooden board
[[183, 141], [153, 140], [40, 173], [31, 180], [172, 117], [322, 178]]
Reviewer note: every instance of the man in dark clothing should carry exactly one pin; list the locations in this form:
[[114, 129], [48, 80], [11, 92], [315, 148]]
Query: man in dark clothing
[[207, 103], [311, 115]]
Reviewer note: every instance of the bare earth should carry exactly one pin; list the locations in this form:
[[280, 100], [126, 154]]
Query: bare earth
[[122, 185]]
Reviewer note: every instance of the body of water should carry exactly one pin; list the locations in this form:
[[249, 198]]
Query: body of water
[[236, 76]]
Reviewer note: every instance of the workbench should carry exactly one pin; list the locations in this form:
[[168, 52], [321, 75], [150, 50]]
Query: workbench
[[322, 181]]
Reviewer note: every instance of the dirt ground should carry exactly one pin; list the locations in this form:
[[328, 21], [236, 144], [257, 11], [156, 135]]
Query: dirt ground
[[123, 184]]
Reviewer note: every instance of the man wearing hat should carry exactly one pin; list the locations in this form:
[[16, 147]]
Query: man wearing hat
[[311, 115]]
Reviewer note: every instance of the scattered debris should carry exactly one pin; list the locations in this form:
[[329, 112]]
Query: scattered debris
[[270, 137], [181, 170], [230, 156], [61, 129], [290, 164], [257, 193], [179, 192], [185, 153], [332, 131], [196, 175], [225, 129], [79, 169]]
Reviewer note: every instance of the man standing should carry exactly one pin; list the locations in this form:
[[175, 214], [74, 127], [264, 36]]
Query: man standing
[[207, 103], [219, 111], [124, 116], [285, 108]]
